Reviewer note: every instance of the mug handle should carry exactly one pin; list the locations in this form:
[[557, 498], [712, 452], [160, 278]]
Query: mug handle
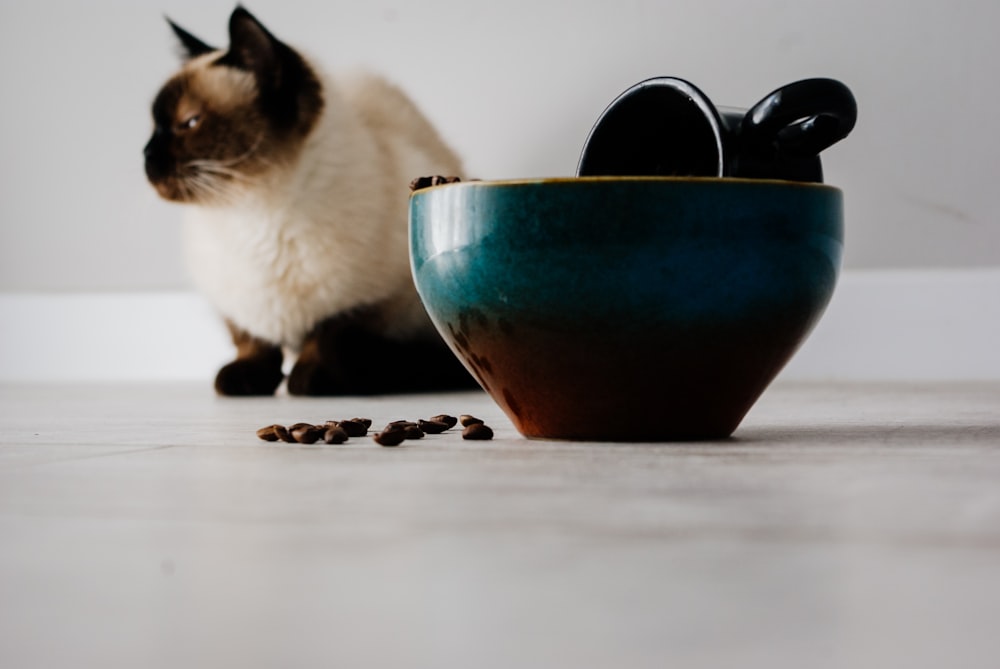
[[801, 119]]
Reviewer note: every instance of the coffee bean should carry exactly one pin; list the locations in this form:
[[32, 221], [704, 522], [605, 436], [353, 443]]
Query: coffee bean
[[354, 428], [432, 426], [304, 433], [450, 421], [408, 428], [466, 420], [335, 435], [284, 434], [390, 437], [427, 182], [367, 422], [269, 433], [477, 432]]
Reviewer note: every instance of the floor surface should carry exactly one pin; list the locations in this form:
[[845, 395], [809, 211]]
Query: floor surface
[[843, 526]]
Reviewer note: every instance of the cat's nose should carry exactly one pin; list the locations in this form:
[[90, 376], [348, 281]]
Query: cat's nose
[[155, 157], [155, 144]]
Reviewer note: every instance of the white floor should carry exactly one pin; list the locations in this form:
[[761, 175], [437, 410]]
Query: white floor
[[844, 526]]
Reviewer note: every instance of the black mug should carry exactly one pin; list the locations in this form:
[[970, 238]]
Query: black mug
[[666, 126]]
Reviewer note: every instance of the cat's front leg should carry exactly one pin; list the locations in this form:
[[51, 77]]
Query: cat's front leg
[[348, 354], [256, 370], [319, 369]]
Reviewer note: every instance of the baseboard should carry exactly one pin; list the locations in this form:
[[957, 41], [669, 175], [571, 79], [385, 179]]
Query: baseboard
[[881, 325], [110, 336]]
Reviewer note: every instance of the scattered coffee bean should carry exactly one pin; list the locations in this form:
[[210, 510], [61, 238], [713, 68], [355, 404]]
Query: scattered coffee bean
[[269, 433], [432, 426], [408, 428], [450, 421], [304, 433], [393, 434], [427, 182], [466, 420], [354, 427], [477, 432], [335, 435], [390, 437]]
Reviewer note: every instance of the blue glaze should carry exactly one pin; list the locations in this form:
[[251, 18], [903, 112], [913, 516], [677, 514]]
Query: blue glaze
[[666, 264], [636, 251]]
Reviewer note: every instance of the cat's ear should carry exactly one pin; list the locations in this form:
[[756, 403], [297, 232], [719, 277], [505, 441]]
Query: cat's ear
[[290, 95], [191, 46], [252, 47]]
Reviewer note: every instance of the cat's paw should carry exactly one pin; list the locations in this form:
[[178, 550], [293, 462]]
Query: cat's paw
[[312, 378], [248, 377]]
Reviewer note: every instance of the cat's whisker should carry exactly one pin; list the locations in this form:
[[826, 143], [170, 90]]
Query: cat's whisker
[[203, 186], [229, 162], [212, 175], [212, 169], [214, 180], [223, 190]]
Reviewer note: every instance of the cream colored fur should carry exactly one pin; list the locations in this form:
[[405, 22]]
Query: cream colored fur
[[328, 232]]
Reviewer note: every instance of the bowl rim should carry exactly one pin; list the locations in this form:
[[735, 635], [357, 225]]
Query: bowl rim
[[535, 181]]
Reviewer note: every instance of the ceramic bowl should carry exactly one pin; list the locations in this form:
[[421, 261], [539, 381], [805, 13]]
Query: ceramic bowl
[[626, 308]]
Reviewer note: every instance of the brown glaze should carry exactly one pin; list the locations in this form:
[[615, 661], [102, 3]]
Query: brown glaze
[[595, 385]]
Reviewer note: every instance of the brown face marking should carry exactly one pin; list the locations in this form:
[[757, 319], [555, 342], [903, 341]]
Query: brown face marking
[[210, 136], [230, 116]]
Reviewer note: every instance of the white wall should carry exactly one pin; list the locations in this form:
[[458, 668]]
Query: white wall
[[515, 86]]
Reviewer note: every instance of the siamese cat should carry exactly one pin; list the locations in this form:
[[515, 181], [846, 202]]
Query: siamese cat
[[296, 188]]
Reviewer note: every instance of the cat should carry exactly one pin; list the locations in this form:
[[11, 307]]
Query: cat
[[296, 189]]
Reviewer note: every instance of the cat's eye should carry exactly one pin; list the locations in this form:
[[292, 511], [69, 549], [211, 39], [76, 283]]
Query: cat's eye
[[190, 123]]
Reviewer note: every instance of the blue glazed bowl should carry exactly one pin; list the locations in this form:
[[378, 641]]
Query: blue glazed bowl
[[626, 308]]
